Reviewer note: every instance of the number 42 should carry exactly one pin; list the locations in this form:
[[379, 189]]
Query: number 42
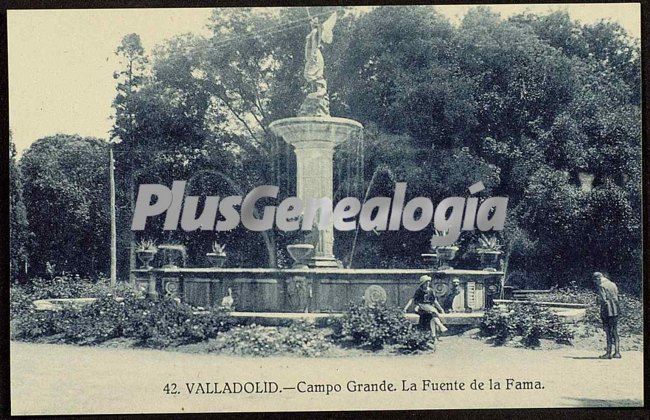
[[171, 389]]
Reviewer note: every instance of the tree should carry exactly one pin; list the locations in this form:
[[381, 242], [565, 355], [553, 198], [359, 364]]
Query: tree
[[18, 226], [65, 188], [124, 130], [521, 104]]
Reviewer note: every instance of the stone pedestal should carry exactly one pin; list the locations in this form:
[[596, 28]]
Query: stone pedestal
[[314, 139]]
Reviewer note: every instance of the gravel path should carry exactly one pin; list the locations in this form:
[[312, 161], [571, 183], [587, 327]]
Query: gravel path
[[62, 379]]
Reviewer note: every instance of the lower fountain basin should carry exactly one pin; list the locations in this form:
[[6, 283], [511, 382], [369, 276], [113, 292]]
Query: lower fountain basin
[[315, 290]]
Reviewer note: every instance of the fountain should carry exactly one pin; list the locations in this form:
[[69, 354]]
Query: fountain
[[315, 283]]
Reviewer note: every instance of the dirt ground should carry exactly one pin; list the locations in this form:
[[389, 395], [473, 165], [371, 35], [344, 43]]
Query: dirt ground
[[64, 379]]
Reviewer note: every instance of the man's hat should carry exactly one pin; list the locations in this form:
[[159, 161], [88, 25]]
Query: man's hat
[[424, 279]]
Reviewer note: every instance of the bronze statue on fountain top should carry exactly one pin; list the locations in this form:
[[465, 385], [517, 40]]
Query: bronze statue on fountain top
[[317, 103]]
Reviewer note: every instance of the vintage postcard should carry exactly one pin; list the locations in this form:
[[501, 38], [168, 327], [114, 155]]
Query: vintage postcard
[[254, 209]]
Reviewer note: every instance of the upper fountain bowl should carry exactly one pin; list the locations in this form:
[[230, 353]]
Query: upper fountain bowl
[[308, 129]]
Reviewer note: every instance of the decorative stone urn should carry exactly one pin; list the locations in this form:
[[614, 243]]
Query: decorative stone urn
[[300, 254], [445, 255], [216, 260], [146, 256], [431, 260], [489, 259]]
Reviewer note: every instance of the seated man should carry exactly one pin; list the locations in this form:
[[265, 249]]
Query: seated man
[[427, 306]]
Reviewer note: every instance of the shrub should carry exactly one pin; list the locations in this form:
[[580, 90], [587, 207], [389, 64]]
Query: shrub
[[94, 323], [531, 322], [20, 302], [60, 287], [631, 319], [299, 338], [375, 326], [413, 339], [63, 287], [156, 323], [32, 324], [167, 322], [497, 324]]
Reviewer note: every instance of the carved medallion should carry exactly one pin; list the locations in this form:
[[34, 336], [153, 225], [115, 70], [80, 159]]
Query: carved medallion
[[440, 289], [171, 288], [492, 289], [375, 295]]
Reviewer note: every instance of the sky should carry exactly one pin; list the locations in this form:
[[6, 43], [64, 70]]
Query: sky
[[61, 62]]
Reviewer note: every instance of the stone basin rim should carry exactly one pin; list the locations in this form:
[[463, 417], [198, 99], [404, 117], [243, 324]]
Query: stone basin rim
[[317, 120]]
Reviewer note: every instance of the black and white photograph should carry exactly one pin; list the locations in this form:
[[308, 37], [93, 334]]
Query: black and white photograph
[[324, 208]]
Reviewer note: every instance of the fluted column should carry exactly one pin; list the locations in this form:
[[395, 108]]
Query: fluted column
[[315, 162], [314, 139]]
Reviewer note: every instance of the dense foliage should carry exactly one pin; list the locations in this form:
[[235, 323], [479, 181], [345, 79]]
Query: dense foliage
[[69, 286], [523, 104], [150, 323], [66, 196], [530, 322], [18, 226]]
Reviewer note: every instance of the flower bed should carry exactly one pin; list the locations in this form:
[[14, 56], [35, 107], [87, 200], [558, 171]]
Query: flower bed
[[300, 338]]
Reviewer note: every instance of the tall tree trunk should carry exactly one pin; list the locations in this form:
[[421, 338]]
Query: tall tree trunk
[[132, 260], [111, 175]]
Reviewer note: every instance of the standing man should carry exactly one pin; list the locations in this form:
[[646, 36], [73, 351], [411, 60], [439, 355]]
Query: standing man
[[609, 312]]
